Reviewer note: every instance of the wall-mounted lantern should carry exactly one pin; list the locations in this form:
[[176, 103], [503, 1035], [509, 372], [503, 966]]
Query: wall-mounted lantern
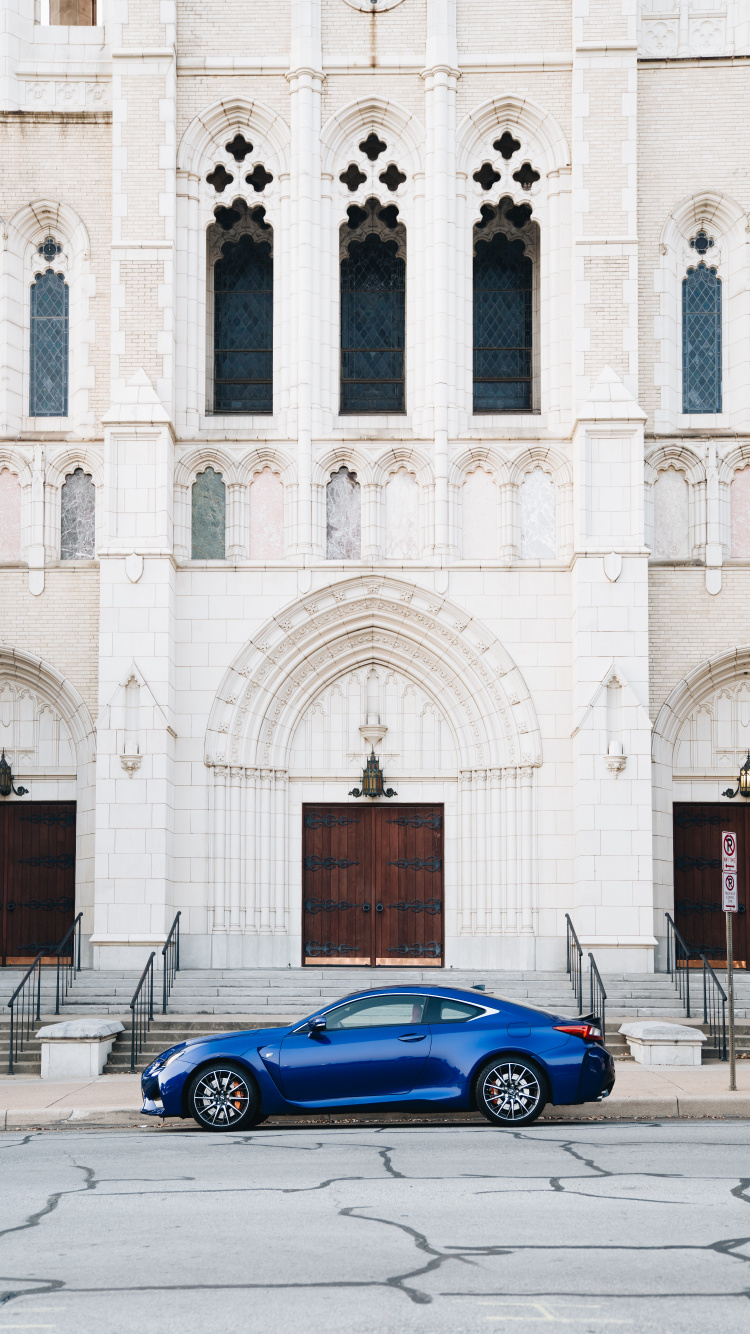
[[372, 781], [743, 782], [6, 781]]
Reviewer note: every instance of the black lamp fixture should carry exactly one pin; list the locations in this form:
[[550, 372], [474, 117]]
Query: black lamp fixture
[[6, 781], [372, 781], [743, 782]]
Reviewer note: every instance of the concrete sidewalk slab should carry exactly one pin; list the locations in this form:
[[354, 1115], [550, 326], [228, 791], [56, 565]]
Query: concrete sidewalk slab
[[640, 1092]]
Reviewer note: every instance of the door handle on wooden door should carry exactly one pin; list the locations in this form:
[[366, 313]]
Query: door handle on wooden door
[[412, 1037]]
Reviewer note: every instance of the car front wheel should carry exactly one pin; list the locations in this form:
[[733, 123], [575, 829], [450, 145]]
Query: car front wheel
[[511, 1091], [224, 1097]]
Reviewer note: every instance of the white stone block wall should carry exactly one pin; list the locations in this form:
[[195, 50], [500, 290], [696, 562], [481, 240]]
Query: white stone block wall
[[110, 134]]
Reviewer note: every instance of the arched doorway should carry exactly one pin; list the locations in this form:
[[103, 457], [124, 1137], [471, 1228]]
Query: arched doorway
[[289, 729], [701, 737], [46, 870]]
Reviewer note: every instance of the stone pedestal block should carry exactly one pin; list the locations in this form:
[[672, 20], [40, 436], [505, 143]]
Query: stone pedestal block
[[663, 1044], [77, 1048]]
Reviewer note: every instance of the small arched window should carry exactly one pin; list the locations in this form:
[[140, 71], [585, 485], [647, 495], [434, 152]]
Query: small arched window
[[48, 370], [538, 527], [503, 305], [373, 310], [209, 516], [671, 516], [343, 521], [243, 326], [701, 340], [402, 516], [77, 516], [10, 515], [266, 516], [479, 513], [740, 508]]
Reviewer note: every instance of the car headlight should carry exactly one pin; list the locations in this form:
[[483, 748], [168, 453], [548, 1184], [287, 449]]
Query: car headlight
[[164, 1059]]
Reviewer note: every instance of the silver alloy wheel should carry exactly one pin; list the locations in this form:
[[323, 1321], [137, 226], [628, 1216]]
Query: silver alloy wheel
[[221, 1097], [511, 1091]]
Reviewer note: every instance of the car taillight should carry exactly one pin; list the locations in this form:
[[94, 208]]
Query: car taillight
[[586, 1031]]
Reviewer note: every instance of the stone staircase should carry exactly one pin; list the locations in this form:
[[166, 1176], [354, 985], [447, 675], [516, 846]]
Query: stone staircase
[[205, 1001]]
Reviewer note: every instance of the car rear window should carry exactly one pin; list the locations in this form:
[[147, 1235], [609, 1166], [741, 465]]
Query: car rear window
[[443, 1010]]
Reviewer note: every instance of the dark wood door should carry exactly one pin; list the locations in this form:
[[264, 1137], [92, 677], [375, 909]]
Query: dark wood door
[[37, 870], [372, 885], [697, 878]]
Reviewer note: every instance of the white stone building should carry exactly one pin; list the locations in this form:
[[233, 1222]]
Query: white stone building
[[484, 505]]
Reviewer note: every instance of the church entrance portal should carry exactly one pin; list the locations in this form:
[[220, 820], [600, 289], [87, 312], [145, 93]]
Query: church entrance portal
[[37, 877], [372, 885]]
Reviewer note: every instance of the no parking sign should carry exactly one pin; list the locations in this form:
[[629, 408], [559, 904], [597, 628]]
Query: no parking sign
[[728, 871]]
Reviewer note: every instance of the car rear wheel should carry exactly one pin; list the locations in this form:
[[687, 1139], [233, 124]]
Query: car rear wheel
[[223, 1096], [511, 1091]]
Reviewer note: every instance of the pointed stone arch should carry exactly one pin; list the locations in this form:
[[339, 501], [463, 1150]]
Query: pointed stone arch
[[56, 694], [270, 682], [208, 132], [536, 125], [373, 113], [697, 689]]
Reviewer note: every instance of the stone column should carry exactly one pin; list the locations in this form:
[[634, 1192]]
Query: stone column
[[305, 86], [135, 808], [612, 893], [440, 75]]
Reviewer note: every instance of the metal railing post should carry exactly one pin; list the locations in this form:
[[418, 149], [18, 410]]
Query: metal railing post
[[142, 1011]]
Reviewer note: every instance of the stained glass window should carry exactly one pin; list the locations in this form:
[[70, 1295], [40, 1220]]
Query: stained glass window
[[77, 514], [502, 326], [209, 516], [48, 391], [373, 306], [243, 327], [701, 340]]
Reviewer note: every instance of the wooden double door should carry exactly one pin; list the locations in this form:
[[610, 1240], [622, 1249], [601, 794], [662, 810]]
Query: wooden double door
[[372, 885], [697, 878], [37, 877]]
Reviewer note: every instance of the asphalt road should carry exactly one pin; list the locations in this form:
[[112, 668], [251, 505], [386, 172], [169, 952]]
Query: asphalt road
[[586, 1226]]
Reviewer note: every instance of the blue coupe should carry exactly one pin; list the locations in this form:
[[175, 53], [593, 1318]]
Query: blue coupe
[[418, 1048]]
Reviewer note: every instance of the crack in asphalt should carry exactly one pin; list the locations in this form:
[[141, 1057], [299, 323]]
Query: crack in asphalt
[[435, 1257]]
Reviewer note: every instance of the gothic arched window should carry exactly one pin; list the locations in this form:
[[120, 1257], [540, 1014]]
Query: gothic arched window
[[701, 340], [538, 517], [48, 378], [373, 310], [243, 325], [343, 517], [77, 516], [503, 303], [209, 516]]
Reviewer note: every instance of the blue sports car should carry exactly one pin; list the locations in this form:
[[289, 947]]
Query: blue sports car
[[419, 1048]]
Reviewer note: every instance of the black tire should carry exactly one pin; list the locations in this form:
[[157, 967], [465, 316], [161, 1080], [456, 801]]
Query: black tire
[[224, 1096], [511, 1091]]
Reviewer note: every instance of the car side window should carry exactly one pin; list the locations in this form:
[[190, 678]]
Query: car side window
[[377, 1012], [442, 1010]]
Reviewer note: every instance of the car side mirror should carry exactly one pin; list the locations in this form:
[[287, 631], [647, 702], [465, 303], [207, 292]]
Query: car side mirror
[[315, 1027]]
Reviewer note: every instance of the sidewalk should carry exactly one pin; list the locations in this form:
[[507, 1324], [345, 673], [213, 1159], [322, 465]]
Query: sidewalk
[[114, 1100]]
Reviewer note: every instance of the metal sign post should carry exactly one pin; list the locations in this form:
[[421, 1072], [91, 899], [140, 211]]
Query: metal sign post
[[729, 906]]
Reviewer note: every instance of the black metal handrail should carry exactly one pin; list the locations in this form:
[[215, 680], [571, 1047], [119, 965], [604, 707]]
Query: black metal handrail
[[574, 962], [142, 1009], [24, 1009], [598, 995], [715, 1000], [68, 965], [171, 958], [678, 962]]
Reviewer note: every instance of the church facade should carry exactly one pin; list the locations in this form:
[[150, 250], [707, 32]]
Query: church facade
[[374, 381]]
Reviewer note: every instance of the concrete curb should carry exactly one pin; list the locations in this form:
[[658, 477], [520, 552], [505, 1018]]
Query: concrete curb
[[687, 1106]]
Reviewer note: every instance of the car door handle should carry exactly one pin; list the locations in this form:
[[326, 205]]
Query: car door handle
[[412, 1037]]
